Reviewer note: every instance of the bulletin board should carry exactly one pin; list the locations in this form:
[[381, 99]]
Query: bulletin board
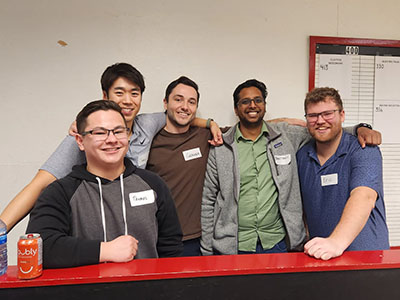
[[366, 72]]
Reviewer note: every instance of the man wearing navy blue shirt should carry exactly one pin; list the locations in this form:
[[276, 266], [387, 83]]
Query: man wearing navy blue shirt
[[341, 183]]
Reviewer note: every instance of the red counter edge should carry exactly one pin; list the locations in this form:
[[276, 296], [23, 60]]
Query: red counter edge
[[191, 267]]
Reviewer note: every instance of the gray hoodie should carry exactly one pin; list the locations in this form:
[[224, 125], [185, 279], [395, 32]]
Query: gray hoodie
[[78, 212]]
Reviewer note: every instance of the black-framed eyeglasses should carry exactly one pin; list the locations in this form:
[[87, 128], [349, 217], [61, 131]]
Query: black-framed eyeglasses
[[247, 101], [326, 115], [101, 133]]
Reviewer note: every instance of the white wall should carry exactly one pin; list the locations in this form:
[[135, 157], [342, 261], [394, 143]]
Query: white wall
[[219, 44]]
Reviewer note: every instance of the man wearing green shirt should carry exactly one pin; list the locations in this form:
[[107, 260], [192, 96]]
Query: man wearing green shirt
[[251, 197], [258, 219]]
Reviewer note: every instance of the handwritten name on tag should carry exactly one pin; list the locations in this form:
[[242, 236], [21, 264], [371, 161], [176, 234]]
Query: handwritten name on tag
[[283, 159], [330, 179], [191, 154], [141, 198]]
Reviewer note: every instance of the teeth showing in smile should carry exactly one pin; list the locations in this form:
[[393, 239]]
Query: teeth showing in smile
[[111, 149]]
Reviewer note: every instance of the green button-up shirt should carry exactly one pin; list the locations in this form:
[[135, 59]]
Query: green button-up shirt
[[258, 209]]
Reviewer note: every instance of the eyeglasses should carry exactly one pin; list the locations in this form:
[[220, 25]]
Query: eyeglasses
[[101, 134], [246, 101], [326, 115]]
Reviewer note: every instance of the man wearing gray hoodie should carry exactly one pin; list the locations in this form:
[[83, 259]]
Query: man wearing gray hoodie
[[107, 209]]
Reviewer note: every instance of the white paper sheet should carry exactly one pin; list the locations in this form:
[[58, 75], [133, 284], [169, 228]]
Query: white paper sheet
[[387, 98]]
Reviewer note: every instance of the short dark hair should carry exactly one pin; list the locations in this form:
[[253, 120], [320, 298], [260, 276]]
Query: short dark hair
[[182, 80], [123, 70], [91, 107], [249, 83], [320, 94]]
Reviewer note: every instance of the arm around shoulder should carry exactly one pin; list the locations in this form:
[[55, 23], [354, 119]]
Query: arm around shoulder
[[151, 123], [24, 201], [214, 129], [58, 165], [298, 136], [290, 121], [62, 160], [365, 135]]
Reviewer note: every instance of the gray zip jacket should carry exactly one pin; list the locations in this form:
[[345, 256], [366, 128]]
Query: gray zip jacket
[[219, 216]]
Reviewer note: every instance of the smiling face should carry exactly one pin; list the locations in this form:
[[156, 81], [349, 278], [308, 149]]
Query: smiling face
[[325, 131], [106, 155], [128, 96], [251, 114], [181, 108]]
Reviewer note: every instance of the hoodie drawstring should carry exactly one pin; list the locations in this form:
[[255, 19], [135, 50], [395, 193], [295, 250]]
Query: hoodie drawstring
[[103, 216], [121, 177]]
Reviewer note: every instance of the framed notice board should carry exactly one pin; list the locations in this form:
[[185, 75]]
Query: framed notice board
[[367, 74]]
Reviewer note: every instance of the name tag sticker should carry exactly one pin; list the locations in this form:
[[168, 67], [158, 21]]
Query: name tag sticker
[[330, 179], [283, 159], [141, 198], [191, 154]]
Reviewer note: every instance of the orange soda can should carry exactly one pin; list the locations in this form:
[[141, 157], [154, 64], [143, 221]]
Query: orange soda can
[[30, 256]]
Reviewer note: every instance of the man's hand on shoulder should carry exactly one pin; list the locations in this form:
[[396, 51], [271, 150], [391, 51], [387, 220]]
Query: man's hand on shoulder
[[73, 131], [323, 248], [216, 133], [120, 249], [290, 121], [368, 136]]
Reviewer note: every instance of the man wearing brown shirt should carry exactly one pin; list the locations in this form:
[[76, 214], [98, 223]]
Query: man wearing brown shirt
[[179, 155]]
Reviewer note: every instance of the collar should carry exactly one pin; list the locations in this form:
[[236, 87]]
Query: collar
[[239, 136], [188, 132], [342, 149], [229, 136], [80, 172]]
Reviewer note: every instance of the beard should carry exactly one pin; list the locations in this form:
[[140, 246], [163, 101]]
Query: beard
[[251, 122], [179, 123]]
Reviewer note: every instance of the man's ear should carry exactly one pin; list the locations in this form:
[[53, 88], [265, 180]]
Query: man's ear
[[79, 141], [235, 109], [342, 116], [165, 104], [105, 96]]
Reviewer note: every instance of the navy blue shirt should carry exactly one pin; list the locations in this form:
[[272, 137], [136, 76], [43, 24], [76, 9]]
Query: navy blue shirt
[[326, 189]]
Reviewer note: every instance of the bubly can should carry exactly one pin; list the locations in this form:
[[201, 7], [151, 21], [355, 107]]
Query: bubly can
[[30, 256]]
